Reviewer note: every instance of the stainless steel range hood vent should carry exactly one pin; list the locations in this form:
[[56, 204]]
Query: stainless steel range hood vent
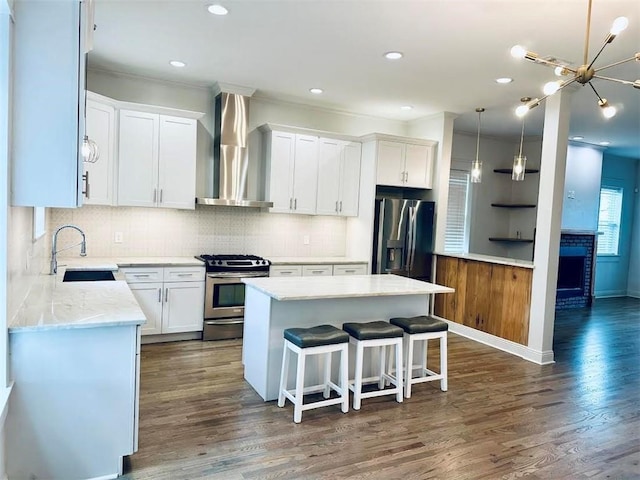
[[230, 153]]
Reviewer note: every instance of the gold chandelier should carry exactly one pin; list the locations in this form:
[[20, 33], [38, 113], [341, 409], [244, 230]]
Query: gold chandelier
[[582, 74]]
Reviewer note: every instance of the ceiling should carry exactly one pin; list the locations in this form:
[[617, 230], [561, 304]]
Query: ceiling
[[453, 52]]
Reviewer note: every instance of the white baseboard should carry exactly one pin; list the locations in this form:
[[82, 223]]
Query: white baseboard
[[610, 294], [633, 293], [522, 351]]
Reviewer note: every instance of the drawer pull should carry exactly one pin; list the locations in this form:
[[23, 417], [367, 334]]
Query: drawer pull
[[350, 271], [185, 274], [141, 275], [315, 272]]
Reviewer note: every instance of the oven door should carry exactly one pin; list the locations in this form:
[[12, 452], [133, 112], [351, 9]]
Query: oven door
[[224, 295]]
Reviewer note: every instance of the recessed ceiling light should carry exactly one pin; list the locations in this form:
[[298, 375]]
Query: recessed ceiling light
[[177, 63], [504, 80], [393, 55], [406, 107], [316, 91], [604, 144], [577, 137], [217, 10]]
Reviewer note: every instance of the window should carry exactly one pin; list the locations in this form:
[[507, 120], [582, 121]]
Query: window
[[456, 239], [609, 220]]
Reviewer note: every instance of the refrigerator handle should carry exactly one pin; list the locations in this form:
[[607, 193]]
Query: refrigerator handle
[[409, 242], [381, 246], [413, 218]]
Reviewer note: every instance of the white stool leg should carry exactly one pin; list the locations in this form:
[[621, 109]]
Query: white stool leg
[[357, 387], [443, 363], [399, 370], [383, 368], [409, 373], [297, 409], [327, 374], [284, 373], [344, 377], [423, 355]]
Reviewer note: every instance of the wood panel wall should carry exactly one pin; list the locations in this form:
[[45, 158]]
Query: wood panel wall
[[489, 297]]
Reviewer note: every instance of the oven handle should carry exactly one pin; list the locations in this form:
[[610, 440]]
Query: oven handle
[[223, 322], [236, 279]]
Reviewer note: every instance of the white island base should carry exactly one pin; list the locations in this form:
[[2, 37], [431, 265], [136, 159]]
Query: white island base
[[275, 304]]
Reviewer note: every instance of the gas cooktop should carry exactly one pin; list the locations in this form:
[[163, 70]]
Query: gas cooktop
[[221, 263]]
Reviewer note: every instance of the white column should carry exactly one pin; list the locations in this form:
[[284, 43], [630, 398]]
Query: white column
[[548, 222]]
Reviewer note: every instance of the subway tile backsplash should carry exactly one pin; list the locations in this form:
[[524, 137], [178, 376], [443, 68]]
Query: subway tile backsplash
[[219, 230]]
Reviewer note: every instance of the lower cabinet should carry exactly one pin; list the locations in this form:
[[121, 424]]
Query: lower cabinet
[[172, 298], [317, 270]]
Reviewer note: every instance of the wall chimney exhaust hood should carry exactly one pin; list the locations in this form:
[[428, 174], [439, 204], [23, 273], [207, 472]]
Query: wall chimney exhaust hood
[[230, 152]]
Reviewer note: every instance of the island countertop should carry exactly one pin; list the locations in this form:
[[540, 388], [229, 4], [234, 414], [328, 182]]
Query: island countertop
[[348, 286], [514, 262]]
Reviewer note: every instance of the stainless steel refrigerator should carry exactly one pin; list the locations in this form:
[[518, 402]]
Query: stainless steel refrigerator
[[403, 237]]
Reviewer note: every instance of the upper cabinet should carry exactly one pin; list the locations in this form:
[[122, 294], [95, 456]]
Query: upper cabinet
[[292, 170], [99, 177], [156, 160], [404, 162], [338, 177], [48, 103]]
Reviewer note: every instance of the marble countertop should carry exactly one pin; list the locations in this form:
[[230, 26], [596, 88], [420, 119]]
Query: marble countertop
[[348, 286], [313, 260], [78, 263], [514, 262]]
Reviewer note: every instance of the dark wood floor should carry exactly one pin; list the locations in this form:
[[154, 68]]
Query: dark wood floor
[[502, 417]]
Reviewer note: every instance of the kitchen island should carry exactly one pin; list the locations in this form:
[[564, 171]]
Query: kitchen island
[[273, 304], [74, 359]]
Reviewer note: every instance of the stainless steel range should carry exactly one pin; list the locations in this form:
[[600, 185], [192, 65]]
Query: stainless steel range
[[224, 292]]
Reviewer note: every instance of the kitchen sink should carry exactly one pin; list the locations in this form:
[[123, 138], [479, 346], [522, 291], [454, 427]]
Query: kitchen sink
[[88, 276]]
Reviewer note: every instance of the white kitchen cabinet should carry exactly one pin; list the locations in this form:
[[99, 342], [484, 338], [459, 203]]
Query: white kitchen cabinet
[[48, 103], [320, 269], [285, 271], [353, 269], [100, 127], [338, 177], [292, 169], [405, 163], [175, 304], [156, 160], [317, 270]]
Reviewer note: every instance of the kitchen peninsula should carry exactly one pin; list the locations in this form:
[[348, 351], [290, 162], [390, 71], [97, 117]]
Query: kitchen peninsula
[[273, 304]]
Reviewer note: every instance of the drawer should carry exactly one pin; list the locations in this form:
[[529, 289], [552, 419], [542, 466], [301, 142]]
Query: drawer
[[351, 269], [183, 274], [142, 275], [316, 270], [285, 271]]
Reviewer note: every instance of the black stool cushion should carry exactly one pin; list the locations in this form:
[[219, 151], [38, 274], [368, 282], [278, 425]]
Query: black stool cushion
[[315, 336], [421, 324], [372, 330]]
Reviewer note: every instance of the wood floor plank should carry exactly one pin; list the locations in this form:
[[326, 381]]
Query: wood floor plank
[[502, 417]]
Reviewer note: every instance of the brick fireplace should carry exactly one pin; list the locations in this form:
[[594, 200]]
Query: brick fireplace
[[575, 270]]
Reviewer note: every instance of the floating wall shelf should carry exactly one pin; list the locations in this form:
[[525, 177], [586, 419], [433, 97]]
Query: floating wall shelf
[[513, 205], [509, 170], [510, 240]]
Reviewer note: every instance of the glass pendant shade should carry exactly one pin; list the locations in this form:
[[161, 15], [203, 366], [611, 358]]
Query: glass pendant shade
[[476, 172], [90, 150], [519, 165]]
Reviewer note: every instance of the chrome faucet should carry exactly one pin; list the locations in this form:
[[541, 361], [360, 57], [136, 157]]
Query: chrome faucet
[[83, 247]]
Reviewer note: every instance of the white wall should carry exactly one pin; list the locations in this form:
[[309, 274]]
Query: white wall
[[488, 221], [582, 182], [633, 282]]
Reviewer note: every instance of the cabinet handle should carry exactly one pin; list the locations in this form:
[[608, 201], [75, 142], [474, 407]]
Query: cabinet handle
[[406, 176], [295, 203], [166, 295], [317, 272], [336, 206], [159, 295], [184, 274], [85, 177], [161, 195], [341, 205], [284, 272], [290, 203], [141, 275], [350, 271], [154, 195]]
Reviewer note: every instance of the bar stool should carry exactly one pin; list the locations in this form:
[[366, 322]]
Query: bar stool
[[422, 329], [319, 340], [375, 334]]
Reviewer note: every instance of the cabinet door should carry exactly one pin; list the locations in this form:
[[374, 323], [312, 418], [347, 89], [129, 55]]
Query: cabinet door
[[149, 297], [329, 163], [281, 159], [317, 270], [305, 174], [183, 309], [285, 271], [100, 175], [350, 179], [351, 269], [177, 162], [138, 159], [48, 103], [418, 165], [390, 168]]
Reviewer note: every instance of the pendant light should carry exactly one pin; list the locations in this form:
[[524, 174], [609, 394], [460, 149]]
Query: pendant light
[[90, 150], [476, 166], [520, 161]]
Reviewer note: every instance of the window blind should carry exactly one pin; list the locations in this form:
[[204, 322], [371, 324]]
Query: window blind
[[609, 220], [456, 233]]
